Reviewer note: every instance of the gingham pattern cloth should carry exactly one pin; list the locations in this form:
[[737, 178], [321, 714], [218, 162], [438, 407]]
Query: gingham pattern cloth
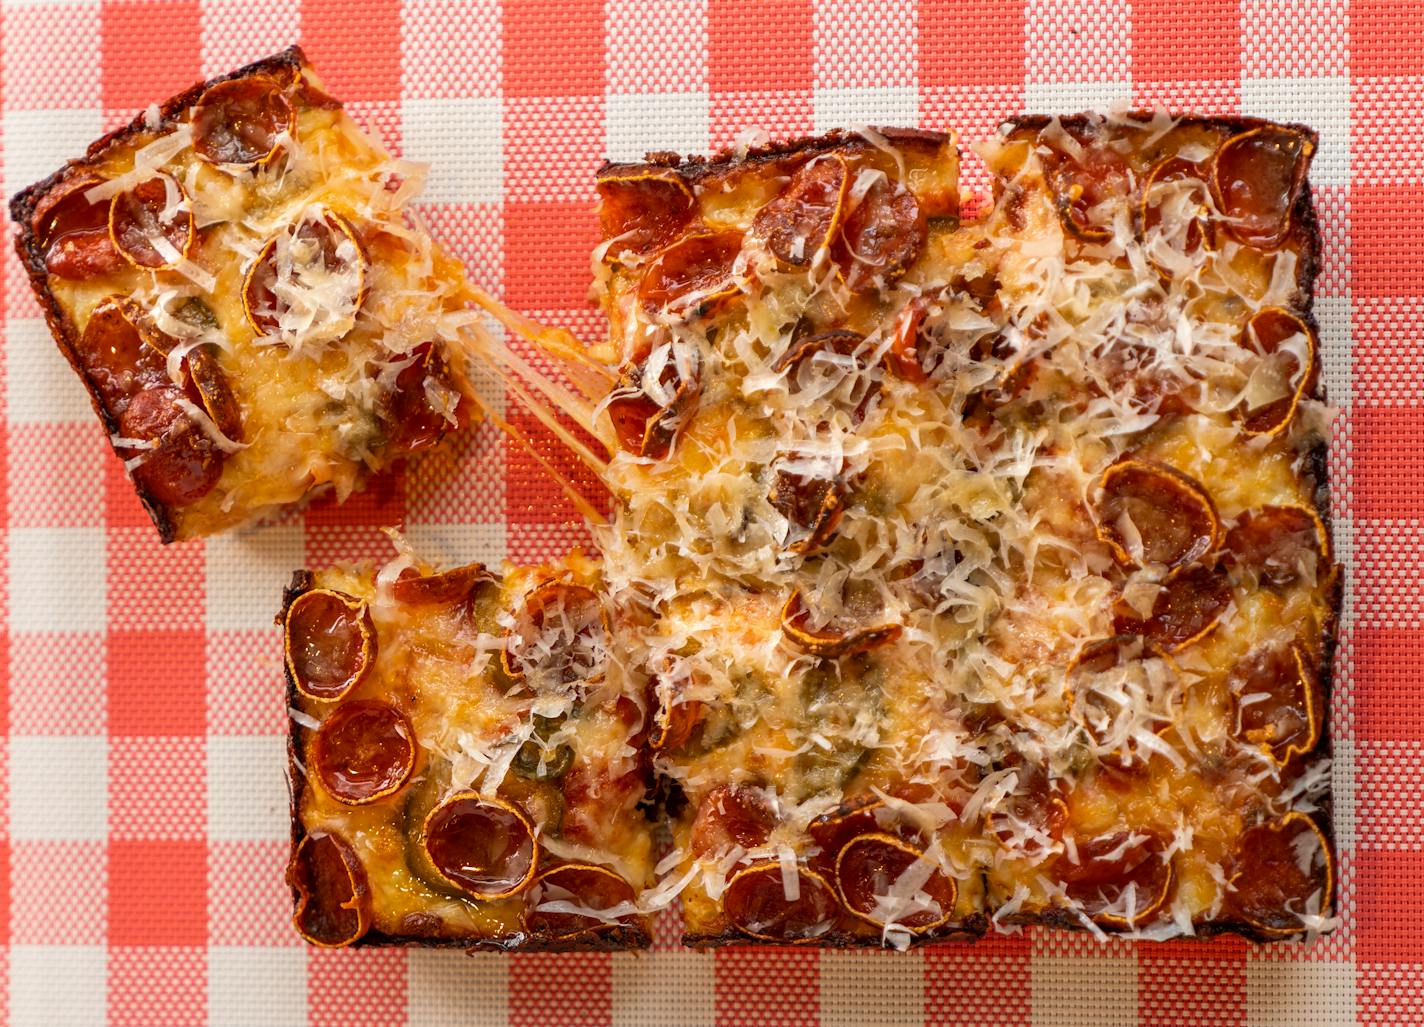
[[143, 812]]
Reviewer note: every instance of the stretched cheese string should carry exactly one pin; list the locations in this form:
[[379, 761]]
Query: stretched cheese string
[[592, 378]]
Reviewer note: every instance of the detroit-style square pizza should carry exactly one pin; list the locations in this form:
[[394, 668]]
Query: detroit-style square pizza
[[465, 760], [235, 280]]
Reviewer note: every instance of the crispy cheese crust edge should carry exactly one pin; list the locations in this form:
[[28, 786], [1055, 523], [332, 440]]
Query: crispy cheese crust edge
[[22, 207]]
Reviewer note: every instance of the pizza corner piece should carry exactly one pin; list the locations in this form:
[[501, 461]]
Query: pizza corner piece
[[234, 279]]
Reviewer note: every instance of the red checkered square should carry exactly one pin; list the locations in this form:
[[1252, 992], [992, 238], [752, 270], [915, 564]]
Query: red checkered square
[[1283, 38], [547, 248], [462, 483], [249, 904], [1212, 96], [244, 672], [356, 45], [1389, 664], [379, 502], [1386, 38], [152, 586], [157, 893], [1389, 905], [1383, 260], [53, 664], [553, 48], [742, 1001], [348, 988], [55, 472], [1388, 445], [1192, 983], [121, 506], [995, 57], [133, 78], [584, 995], [763, 47], [1203, 38], [156, 788], [50, 58], [156, 682], [1391, 789], [956, 989], [448, 51], [656, 46], [58, 893], [552, 149], [155, 986]]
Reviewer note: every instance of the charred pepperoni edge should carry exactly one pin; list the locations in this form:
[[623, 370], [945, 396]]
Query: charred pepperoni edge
[[614, 939], [284, 67]]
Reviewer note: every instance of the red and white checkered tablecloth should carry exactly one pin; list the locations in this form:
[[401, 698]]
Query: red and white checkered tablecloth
[[142, 804]]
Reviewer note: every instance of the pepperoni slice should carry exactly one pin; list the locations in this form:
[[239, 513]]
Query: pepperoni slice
[[831, 363], [412, 422], [692, 278], [675, 718], [907, 356], [483, 846], [1280, 544], [1120, 880], [644, 209], [757, 904], [595, 888], [180, 464], [1186, 609], [1265, 334], [446, 589], [1029, 822], [363, 752], [1106, 680], [560, 636], [831, 831], [799, 224], [1281, 870], [881, 237], [308, 281], [333, 906], [214, 390], [239, 122], [814, 506], [841, 636], [113, 356], [731, 816], [1256, 177], [1148, 512], [646, 419], [1178, 187], [152, 224], [1081, 188], [1276, 701], [885, 880], [330, 643], [74, 233]]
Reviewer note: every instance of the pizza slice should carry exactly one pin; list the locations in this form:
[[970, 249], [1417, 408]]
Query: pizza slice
[[234, 278], [464, 760]]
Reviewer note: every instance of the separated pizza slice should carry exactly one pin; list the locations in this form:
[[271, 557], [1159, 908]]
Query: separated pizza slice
[[234, 278], [465, 759]]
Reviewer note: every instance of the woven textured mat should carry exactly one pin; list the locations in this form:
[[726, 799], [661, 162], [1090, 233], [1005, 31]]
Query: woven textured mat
[[142, 804]]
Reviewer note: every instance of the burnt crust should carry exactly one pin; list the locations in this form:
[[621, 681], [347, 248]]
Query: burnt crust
[[968, 931], [619, 938], [22, 208]]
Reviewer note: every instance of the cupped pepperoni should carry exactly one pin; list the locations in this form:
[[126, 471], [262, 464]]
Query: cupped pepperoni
[[584, 886], [853, 631], [646, 417], [1277, 701], [333, 895], [414, 421], [308, 281], [1256, 177], [881, 237], [798, 225], [1176, 206], [1084, 190], [763, 905], [1120, 880], [152, 224], [675, 718], [364, 752], [73, 232], [113, 356], [240, 122], [483, 846], [813, 506], [214, 391], [1280, 544], [178, 463], [448, 588], [1148, 512], [731, 817], [852, 818], [560, 636], [693, 278], [1290, 351], [1186, 609], [1282, 872], [642, 209], [885, 880], [330, 643]]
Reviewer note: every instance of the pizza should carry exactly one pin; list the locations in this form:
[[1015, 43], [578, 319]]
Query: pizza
[[234, 278], [465, 759]]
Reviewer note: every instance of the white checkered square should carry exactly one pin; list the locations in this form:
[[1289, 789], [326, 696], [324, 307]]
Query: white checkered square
[[237, 32], [872, 987], [1336, 349], [38, 142], [870, 105], [245, 575], [637, 123], [247, 787], [57, 579], [1290, 994], [57, 985], [448, 987], [59, 787], [462, 141], [682, 993], [1084, 991], [1050, 97], [249, 986]]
